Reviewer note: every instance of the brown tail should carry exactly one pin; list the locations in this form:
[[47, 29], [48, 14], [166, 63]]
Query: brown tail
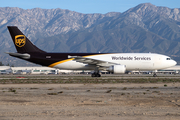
[[21, 42]]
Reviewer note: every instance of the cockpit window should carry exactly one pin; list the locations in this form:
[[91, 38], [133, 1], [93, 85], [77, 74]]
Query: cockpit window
[[168, 58]]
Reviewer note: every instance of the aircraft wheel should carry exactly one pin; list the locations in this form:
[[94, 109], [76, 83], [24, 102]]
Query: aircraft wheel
[[93, 75], [98, 75], [154, 75]]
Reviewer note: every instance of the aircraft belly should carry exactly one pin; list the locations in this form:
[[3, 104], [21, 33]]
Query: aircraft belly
[[73, 65], [135, 65]]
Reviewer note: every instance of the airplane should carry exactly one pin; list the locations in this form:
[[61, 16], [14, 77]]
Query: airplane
[[111, 62]]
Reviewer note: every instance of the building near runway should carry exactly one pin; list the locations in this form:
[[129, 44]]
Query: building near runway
[[48, 70], [5, 70], [171, 70], [31, 70]]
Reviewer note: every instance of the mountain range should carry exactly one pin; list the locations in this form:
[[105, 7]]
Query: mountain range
[[143, 28]]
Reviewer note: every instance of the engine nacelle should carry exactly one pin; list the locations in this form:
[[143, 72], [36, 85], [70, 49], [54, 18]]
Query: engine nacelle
[[117, 69]]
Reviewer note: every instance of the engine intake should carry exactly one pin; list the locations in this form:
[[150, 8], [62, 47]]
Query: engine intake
[[117, 69]]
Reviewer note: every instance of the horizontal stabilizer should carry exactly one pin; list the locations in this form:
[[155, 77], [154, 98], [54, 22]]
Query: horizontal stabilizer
[[24, 55]]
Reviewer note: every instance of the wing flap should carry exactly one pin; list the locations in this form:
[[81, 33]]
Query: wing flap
[[91, 61]]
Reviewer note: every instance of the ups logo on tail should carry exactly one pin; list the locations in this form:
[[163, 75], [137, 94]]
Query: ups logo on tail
[[20, 40]]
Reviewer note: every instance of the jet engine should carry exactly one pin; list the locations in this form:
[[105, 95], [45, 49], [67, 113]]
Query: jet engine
[[117, 69]]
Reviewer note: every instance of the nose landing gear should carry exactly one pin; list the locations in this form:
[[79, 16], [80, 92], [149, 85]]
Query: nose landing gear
[[154, 75]]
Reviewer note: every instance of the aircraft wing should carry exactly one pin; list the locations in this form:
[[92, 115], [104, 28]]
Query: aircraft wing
[[90, 61]]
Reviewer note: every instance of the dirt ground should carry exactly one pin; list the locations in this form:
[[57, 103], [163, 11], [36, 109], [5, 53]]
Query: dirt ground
[[147, 101]]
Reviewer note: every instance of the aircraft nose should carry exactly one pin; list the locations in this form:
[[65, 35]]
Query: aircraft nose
[[174, 62]]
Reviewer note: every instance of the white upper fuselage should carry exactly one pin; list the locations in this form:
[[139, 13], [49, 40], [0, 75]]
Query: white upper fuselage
[[132, 61]]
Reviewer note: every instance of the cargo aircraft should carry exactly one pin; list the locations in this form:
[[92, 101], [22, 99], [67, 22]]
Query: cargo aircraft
[[112, 62]]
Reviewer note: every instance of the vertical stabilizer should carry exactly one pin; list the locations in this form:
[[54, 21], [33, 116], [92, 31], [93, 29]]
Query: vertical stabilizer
[[21, 42]]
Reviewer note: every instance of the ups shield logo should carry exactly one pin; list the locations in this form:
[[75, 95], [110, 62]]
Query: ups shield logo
[[20, 40]]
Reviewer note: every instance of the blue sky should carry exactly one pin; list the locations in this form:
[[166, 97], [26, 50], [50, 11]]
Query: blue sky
[[87, 6]]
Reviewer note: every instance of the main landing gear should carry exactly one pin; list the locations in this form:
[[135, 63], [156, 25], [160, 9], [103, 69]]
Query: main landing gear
[[96, 73]]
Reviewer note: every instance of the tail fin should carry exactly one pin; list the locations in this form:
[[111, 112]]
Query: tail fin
[[21, 42]]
